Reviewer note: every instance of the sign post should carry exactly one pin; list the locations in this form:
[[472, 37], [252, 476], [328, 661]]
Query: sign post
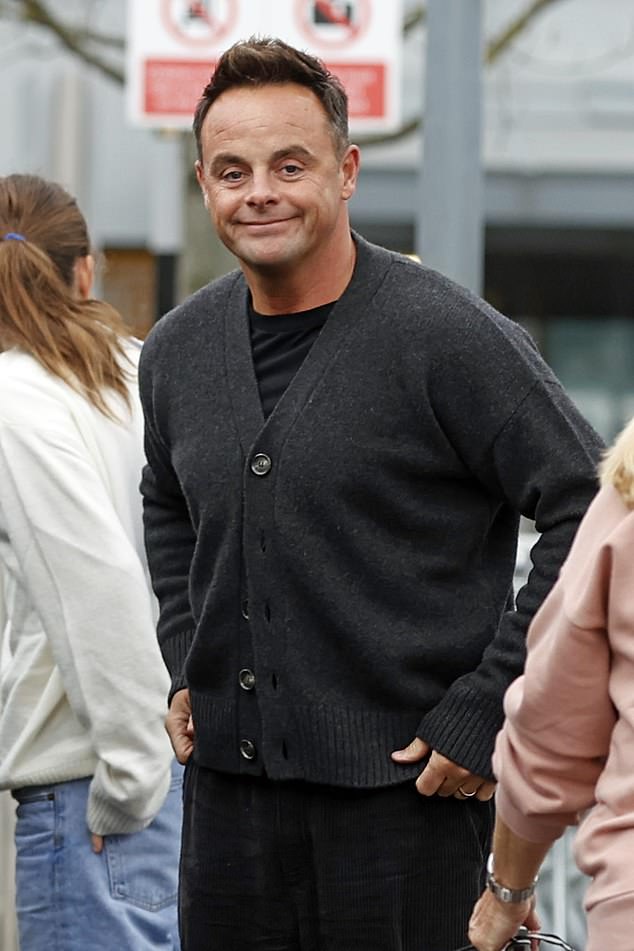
[[450, 222], [173, 46]]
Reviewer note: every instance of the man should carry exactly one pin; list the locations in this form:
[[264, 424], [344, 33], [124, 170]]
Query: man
[[339, 443]]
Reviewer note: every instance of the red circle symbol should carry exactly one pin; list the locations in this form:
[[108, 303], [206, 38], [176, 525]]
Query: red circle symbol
[[201, 23], [333, 23]]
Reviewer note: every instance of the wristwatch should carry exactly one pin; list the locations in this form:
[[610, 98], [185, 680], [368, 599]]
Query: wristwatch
[[504, 894]]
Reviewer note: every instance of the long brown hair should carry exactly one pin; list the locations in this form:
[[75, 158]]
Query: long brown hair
[[42, 235]]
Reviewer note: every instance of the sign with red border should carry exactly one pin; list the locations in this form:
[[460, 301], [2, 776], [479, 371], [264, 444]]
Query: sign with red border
[[199, 24], [173, 46], [333, 23]]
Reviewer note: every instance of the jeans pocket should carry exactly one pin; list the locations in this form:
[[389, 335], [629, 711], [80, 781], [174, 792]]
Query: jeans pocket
[[143, 866], [35, 819]]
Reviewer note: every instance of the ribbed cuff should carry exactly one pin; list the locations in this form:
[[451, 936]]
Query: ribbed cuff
[[175, 650], [104, 817], [463, 727]]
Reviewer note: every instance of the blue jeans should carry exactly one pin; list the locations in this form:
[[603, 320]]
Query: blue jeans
[[70, 899]]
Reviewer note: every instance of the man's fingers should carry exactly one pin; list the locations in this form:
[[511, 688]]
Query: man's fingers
[[486, 791], [437, 777], [180, 737], [180, 726], [182, 747], [475, 788], [443, 777], [416, 750]]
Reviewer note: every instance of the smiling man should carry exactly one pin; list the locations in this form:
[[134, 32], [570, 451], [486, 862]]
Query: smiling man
[[276, 176], [340, 443]]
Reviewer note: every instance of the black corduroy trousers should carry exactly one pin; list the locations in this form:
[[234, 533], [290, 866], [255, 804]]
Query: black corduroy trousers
[[272, 866]]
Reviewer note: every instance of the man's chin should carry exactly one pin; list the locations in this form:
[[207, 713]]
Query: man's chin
[[266, 259]]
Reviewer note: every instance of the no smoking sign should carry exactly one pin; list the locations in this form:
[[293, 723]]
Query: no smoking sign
[[202, 23]]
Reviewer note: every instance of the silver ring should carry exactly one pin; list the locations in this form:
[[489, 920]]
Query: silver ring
[[467, 795]]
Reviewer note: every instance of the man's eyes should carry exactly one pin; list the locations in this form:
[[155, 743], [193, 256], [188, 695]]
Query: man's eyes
[[237, 175]]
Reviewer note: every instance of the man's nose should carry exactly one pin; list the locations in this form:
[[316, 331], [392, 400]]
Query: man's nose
[[263, 189]]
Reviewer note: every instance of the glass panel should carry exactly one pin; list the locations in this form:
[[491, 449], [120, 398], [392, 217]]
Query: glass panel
[[594, 359]]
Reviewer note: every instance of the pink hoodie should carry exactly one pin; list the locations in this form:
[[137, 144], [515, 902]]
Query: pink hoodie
[[568, 742]]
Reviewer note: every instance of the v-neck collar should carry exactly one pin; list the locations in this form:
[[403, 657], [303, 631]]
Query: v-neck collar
[[370, 268]]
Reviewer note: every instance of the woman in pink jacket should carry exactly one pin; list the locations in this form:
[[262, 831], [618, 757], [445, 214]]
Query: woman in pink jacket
[[566, 752]]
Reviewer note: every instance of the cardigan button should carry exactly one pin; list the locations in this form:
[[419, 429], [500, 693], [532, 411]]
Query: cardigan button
[[244, 609], [246, 679], [261, 464], [247, 749]]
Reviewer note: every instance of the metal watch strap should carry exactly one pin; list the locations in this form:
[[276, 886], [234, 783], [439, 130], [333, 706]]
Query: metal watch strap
[[504, 894]]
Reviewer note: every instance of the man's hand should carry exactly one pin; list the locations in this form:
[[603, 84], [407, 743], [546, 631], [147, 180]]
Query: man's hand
[[97, 843], [493, 923], [442, 775], [180, 726]]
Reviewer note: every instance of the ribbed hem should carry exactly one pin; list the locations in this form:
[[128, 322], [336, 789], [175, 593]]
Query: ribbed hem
[[65, 772], [104, 818], [463, 727], [216, 723], [329, 745], [352, 748]]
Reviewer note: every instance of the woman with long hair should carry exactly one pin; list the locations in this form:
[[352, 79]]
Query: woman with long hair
[[82, 684], [565, 755]]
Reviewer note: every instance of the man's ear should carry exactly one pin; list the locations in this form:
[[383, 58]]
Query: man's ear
[[84, 274], [350, 168], [200, 178]]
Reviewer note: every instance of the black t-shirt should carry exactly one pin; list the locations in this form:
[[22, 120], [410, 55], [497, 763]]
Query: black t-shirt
[[279, 344]]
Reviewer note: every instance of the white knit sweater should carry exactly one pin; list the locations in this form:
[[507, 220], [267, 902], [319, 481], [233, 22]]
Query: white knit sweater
[[82, 682]]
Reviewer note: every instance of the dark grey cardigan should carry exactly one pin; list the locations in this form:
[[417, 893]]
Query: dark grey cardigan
[[370, 523]]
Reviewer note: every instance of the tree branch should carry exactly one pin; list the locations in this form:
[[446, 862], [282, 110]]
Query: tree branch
[[33, 11], [500, 43], [413, 19], [493, 50], [101, 39]]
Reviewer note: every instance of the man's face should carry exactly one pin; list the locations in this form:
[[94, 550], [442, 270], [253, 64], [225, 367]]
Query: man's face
[[275, 187]]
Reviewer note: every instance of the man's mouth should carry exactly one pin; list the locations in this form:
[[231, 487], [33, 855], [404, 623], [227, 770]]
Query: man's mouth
[[264, 223]]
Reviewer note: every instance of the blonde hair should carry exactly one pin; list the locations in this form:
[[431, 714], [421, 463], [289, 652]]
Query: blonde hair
[[617, 468], [42, 235]]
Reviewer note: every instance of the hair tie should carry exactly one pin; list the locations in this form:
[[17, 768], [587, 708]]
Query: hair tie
[[13, 236]]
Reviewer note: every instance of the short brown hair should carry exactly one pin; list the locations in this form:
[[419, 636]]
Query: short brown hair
[[265, 61], [42, 235]]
